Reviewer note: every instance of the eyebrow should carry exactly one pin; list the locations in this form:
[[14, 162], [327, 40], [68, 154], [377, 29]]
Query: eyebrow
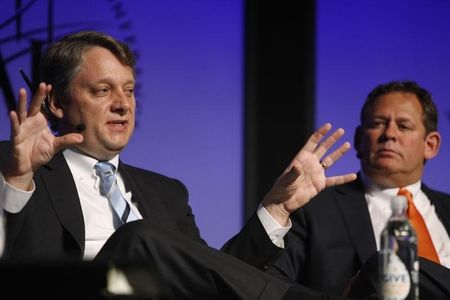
[[109, 79]]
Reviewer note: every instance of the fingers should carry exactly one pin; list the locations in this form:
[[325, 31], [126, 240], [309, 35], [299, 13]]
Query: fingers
[[38, 98], [65, 141], [20, 115], [22, 106], [330, 159], [341, 179], [15, 124], [319, 146], [325, 145], [36, 103], [316, 137]]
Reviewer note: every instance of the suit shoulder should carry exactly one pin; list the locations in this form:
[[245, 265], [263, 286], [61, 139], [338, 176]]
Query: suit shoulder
[[4, 148], [435, 193]]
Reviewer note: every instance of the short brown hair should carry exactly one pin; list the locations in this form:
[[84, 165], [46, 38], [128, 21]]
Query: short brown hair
[[430, 115], [62, 60]]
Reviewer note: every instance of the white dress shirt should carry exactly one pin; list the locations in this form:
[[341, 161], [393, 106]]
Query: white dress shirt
[[97, 211], [379, 204], [274, 230], [11, 200]]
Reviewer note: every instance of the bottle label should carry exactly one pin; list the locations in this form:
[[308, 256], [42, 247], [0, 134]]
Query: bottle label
[[396, 282]]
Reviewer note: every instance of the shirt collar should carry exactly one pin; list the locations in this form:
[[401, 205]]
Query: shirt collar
[[83, 161], [374, 189]]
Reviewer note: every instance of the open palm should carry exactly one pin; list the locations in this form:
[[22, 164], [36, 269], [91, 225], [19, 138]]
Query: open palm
[[32, 142], [305, 176]]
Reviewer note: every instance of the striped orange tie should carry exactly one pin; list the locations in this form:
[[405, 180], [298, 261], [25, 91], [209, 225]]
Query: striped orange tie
[[424, 242]]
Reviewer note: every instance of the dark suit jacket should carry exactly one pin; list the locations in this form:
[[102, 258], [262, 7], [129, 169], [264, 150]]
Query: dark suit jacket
[[51, 224], [331, 238]]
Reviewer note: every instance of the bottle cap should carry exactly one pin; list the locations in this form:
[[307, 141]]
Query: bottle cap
[[398, 204]]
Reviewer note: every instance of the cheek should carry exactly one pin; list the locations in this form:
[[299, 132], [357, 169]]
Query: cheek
[[91, 108], [368, 142], [415, 149]]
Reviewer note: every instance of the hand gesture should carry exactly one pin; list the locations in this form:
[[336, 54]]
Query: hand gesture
[[305, 176], [32, 142]]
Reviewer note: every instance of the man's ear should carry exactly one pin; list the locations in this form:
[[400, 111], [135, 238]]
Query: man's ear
[[357, 141], [432, 144], [54, 106]]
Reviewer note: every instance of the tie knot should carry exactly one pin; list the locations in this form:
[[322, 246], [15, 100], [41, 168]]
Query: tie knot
[[406, 193], [105, 171], [104, 168]]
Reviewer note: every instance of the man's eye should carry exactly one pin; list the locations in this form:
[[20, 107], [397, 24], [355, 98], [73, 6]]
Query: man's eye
[[101, 91], [129, 92], [376, 124], [404, 127]]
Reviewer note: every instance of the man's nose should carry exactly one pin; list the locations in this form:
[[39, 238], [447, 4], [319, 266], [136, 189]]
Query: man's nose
[[390, 132], [121, 103]]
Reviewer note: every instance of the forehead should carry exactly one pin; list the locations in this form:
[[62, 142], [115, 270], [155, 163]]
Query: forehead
[[396, 103], [99, 62]]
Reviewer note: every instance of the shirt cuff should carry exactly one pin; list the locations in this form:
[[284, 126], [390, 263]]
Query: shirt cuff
[[274, 230], [13, 199]]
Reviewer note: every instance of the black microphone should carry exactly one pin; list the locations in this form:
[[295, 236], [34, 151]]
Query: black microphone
[[80, 127]]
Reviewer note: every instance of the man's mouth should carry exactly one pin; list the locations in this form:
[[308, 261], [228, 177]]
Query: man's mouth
[[386, 152], [118, 123]]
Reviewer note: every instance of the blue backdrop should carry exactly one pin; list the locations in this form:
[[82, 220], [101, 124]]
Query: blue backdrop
[[189, 96], [190, 80], [363, 43]]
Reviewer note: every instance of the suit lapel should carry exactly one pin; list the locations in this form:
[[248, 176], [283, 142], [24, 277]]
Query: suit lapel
[[147, 199], [353, 207], [441, 203], [63, 195]]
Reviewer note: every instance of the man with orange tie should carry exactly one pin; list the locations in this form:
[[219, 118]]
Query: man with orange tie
[[331, 237]]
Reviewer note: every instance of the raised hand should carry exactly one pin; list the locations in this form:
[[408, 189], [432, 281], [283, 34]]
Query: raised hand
[[305, 176], [32, 142]]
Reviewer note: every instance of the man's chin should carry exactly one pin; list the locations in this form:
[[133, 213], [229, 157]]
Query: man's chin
[[383, 167], [386, 162], [116, 142], [102, 153], [116, 148]]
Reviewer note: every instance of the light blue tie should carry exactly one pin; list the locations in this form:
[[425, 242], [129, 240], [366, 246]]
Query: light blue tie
[[110, 189]]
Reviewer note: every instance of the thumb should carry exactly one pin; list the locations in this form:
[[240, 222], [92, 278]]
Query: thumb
[[290, 176], [67, 140]]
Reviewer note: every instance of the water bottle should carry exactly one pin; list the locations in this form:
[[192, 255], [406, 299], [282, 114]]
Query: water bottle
[[399, 265]]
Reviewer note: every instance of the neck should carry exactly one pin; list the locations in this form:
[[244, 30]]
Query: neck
[[97, 156], [391, 180]]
